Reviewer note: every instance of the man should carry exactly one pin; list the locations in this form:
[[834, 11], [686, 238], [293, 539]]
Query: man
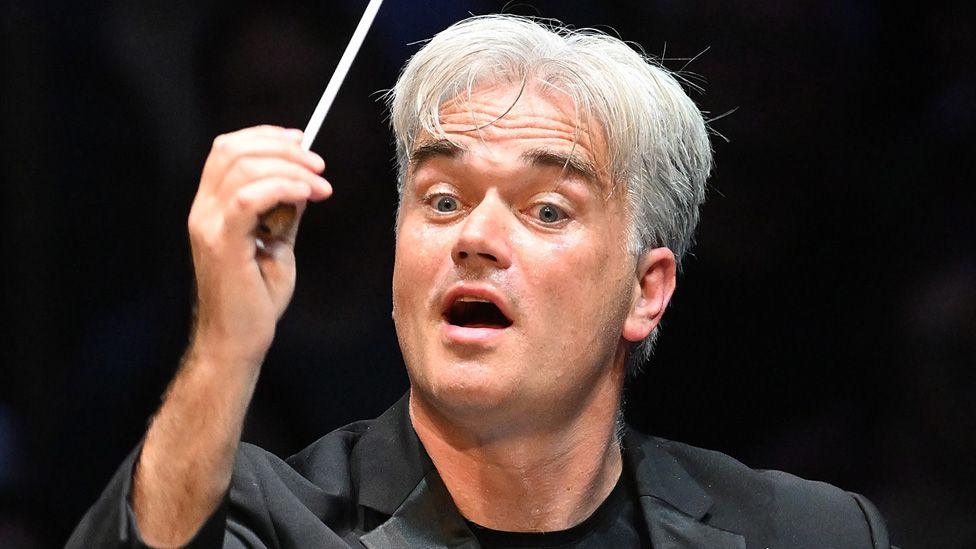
[[549, 186]]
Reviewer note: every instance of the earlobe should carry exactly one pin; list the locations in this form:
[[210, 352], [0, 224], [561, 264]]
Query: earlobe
[[652, 292]]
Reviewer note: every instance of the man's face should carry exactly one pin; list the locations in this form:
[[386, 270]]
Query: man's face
[[512, 279]]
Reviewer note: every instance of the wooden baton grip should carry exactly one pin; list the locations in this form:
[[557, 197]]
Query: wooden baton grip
[[277, 222]]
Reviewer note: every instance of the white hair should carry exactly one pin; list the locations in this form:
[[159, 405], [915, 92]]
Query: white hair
[[657, 138]]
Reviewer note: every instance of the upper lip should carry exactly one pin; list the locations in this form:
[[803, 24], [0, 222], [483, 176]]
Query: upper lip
[[476, 291]]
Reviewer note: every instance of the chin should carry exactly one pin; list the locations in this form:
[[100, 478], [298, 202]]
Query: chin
[[464, 389]]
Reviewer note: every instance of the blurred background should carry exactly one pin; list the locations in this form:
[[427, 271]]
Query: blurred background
[[825, 325]]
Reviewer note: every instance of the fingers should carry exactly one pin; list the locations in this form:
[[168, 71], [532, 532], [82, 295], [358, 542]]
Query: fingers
[[256, 143], [247, 174], [262, 195], [250, 169], [287, 149]]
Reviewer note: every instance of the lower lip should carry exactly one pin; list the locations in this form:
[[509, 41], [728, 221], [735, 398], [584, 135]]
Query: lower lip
[[471, 336]]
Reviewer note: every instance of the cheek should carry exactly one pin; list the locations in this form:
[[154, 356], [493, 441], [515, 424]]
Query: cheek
[[419, 256], [570, 265], [565, 275], [580, 283]]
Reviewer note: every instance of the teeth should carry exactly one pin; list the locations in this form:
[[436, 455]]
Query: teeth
[[472, 300]]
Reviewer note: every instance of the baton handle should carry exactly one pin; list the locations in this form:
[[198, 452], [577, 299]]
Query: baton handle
[[276, 222]]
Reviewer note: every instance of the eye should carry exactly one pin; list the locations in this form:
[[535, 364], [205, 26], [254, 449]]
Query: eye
[[445, 204], [547, 213]]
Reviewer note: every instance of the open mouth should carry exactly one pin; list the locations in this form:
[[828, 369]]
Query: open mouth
[[472, 312]]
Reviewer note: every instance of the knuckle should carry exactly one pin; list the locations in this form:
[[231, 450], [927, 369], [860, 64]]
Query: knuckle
[[194, 221], [208, 243], [195, 224], [203, 240], [226, 145], [242, 202], [219, 142]]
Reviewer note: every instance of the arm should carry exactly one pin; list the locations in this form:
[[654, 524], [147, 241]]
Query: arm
[[186, 462]]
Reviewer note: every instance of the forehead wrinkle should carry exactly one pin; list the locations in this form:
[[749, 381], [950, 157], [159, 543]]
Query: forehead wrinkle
[[483, 112], [511, 109], [548, 139], [486, 120]]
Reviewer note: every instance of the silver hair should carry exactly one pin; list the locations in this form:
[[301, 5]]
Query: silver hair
[[657, 138]]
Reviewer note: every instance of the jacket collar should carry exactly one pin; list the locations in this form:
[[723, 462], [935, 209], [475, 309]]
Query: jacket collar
[[671, 500], [398, 480], [391, 460], [658, 474]]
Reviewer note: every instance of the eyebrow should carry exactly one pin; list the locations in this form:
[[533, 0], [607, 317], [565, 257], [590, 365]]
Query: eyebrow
[[431, 149], [542, 156], [570, 162]]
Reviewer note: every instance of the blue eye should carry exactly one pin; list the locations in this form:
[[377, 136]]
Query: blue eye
[[547, 213], [446, 204]]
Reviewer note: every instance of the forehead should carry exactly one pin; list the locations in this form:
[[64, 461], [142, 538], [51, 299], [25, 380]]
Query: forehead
[[500, 118]]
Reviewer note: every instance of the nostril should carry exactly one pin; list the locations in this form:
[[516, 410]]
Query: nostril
[[489, 257], [463, 255]]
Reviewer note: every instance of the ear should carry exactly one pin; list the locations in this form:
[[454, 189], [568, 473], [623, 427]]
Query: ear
[[652, 292]]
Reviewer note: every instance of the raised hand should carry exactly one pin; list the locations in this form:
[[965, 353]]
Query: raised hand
[[243, 287], [244, 284]]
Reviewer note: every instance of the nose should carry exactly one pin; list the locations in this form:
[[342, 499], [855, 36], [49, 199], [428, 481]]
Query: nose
[[484, 236]]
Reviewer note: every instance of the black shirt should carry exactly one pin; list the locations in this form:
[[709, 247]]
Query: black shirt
[[615, 523]]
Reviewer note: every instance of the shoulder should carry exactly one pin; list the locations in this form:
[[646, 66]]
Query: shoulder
[[325, 464], [335, 448], [726, 479], [321, 462], [773, 504], [306, 497]]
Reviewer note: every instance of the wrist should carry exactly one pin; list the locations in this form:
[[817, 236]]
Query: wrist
[[225, 353]]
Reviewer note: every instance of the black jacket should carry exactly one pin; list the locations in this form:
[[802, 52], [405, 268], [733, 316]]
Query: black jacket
[[372, 484]]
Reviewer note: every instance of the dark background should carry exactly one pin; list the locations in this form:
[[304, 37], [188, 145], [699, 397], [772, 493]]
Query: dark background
[[825, 325]]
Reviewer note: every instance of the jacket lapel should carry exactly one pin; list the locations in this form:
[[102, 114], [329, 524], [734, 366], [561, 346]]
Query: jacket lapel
[[669, 528], [398, 480], [672, 502], [427, 518], [388, 461]]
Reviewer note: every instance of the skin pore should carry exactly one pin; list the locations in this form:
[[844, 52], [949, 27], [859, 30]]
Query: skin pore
[[520, 420]]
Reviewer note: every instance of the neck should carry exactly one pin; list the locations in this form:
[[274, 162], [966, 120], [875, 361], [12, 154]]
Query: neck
[[528, 478]]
